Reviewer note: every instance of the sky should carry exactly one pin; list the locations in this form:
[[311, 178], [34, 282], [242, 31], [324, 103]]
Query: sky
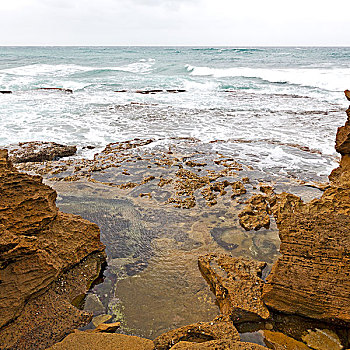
[[175, 22]]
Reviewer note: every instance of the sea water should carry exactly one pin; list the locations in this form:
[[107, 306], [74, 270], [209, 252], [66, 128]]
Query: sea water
[[275, 108]]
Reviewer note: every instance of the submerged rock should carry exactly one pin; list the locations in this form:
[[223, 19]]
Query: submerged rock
[[323, 339], [38, 151], [277, 340], [38, 244], [236, 284], [106, 327]]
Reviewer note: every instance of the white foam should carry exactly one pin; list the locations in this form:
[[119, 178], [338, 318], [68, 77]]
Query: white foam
[[45, 69], [330, 79], [61, 70]]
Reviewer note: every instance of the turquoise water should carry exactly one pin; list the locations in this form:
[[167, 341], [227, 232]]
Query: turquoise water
[[267, 104]]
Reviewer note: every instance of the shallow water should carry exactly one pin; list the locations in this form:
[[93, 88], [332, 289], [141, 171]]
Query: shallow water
[[152, 283]]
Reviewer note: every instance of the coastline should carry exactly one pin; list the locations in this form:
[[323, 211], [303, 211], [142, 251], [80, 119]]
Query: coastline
[[169, 207]]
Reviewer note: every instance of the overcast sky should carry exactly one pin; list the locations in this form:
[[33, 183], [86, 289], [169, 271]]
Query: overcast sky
[[175, 22]]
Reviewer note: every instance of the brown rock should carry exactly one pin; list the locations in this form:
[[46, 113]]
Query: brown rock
[[312, 276], [238, 189], [37, 242], [217, 345], [342, 142], [220, 328], [107, 327], [347, 94], [255, 215], [97, 341], [39, 151], [277, 340], [323, 339], [236, 284], [341, 176]]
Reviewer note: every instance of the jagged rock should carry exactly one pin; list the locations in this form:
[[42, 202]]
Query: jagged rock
[[341, 176], [37, 242], [342, 142], [37, 151], [323, 339], [217, 345], [237, 189], [221, 328], [312, 276], [97, 341], [277, 341], [236, 284], [347, 94], [255, 214]]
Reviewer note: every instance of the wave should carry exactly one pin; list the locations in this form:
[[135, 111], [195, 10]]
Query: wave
[[59, 70], [231, 49], [327, 79]]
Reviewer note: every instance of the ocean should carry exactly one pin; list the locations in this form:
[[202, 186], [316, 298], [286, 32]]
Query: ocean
[[276, 108]]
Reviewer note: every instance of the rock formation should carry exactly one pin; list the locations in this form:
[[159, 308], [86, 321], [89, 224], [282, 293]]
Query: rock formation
[[219, 329], [37, 151], [311, 278], [38, 244], [237, 286], [255, 214]]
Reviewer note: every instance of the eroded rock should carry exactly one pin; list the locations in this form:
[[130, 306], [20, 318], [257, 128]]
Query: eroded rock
[[311, 278], [221, 328], [236, 284], [38, 151], [37, 244], [255, 215]]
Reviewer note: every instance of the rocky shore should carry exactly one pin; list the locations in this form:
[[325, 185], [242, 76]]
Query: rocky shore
[[179, 204], [47, 260]]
